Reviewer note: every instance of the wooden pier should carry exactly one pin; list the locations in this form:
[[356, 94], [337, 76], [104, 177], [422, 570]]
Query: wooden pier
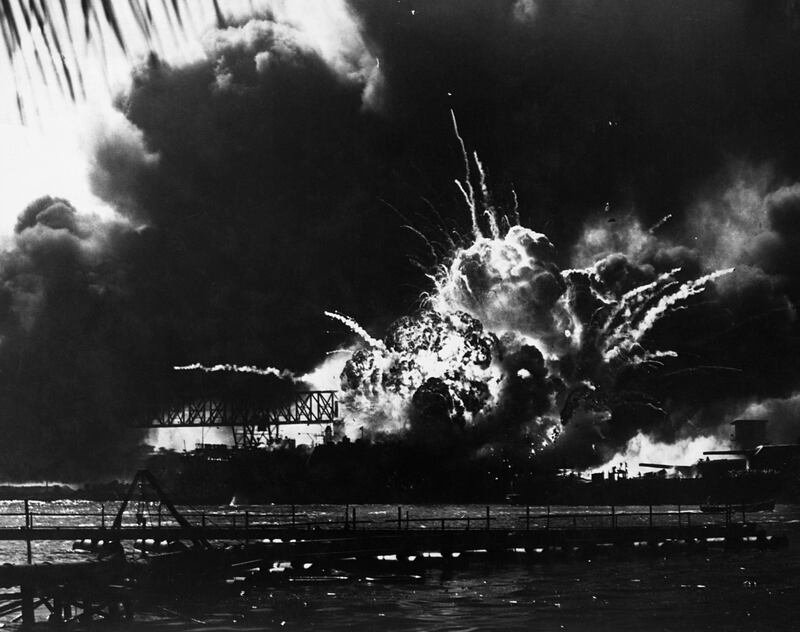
[[221, 546]]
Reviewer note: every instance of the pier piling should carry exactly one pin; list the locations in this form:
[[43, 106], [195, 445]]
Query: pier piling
[[28, 617], [28, 531]]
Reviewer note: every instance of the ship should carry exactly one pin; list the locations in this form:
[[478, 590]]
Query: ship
[[400, 471], [753, 475]]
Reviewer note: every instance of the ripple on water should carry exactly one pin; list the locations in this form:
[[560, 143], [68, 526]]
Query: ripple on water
[[715, 591]]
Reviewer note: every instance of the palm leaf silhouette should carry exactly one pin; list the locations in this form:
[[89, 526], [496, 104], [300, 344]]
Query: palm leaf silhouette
[[41, 38]]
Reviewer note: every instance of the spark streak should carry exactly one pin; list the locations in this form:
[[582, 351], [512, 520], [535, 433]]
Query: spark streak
[[231, 368], [358, 329], [469, 192]]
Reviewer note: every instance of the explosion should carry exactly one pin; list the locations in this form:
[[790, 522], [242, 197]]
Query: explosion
[[447, 351], [511, 350], [229, 199]]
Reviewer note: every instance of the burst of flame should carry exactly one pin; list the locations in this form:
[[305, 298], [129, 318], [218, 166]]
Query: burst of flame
[[498, 294], [501, 342]]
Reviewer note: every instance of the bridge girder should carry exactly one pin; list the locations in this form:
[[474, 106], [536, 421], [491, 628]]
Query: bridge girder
[[252, 424]]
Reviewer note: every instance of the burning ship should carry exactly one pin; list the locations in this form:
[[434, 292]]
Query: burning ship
[[753, 474], [757, 475], [514, 367]]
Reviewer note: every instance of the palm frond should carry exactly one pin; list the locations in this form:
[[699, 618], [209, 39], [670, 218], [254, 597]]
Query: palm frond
[[42, 40]]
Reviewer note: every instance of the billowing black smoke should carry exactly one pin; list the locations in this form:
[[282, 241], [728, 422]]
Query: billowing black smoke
[[265, 184], [78, 354]]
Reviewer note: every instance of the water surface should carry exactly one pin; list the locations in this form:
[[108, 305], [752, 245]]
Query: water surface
[[715, 590]]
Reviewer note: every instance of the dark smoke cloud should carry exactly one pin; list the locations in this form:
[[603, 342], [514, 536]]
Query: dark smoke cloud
[[265, 184], [72, 339], [783, 413], [635, 104], [244, 189]]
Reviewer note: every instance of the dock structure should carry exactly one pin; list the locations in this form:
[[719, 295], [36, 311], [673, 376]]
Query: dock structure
[[243, 530], [248, 543], [253, 423]]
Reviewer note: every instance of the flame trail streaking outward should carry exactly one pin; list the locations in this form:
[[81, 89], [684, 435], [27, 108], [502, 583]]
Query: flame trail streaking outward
[[231, 368], [649, 318], [635, 314], [466, 189], [358, 329]]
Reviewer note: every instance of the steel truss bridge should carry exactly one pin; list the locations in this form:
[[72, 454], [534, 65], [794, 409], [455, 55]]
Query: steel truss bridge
[[252, 424]]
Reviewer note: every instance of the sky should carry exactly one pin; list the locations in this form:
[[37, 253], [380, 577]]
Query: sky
[[210, 202]]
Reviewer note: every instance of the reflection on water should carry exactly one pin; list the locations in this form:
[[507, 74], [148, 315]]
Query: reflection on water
[[746, 590]]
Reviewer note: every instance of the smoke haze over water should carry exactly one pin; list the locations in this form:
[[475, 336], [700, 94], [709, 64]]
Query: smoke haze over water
[[272, 180]]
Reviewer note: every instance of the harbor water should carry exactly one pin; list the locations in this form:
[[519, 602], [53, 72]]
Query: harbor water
[[748, 589]]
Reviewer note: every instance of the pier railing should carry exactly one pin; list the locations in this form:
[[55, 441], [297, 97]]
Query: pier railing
[[263, 541], [34, 523]]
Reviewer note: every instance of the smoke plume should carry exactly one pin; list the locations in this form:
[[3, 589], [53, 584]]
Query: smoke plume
[[649, 145]]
